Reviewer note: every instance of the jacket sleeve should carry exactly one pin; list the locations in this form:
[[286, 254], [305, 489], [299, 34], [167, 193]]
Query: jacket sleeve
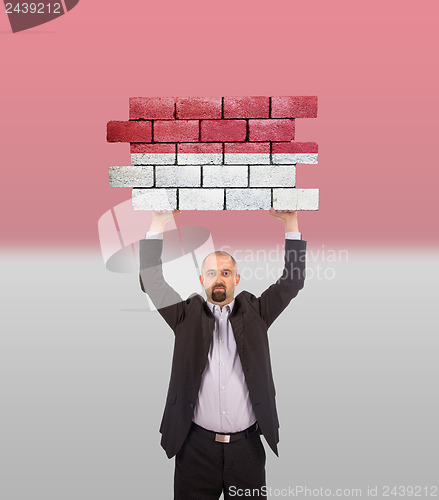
[[277, 296], [167, 301]]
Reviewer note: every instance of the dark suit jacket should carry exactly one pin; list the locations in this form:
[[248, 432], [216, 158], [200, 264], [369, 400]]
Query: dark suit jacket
[[193, 324]]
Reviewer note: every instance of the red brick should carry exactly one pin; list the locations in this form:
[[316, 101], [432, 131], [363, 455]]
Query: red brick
[[176, 131], [149, 108], [247, 107], [223, 130], [152, 148], [294, 107], [200, 147], [271, 130], [198, 107], [129, 131], [295, 147], [247, 147]]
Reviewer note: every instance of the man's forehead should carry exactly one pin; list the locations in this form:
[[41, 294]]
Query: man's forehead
[[219, 262]]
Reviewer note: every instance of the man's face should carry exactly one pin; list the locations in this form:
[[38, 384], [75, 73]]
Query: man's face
[[219, 279]]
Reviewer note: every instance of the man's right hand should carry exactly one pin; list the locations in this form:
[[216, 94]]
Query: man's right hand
[[160, 218]]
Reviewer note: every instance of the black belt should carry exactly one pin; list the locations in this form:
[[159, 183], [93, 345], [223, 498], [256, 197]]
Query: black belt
[[225, 438]]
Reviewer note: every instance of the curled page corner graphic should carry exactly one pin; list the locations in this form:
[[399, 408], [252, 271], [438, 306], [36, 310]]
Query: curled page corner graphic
[[70, 4], [26, 15]]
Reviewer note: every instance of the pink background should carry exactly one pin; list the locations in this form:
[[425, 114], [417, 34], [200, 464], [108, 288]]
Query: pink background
[[373, 66]]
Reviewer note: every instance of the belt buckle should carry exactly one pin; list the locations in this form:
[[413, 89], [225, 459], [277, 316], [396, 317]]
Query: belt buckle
[[222, 438]]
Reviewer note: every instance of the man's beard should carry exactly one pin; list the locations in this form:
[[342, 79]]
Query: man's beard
[[219, 295]]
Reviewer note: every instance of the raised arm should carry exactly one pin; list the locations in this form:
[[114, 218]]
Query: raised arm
[[167, 301], [277, 297]]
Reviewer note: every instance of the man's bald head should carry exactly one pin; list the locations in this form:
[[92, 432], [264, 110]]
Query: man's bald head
[[219, 253]]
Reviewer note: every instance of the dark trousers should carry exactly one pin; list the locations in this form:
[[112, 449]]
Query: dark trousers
[[205, 468]]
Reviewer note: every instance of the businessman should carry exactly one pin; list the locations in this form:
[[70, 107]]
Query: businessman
[[221, 394]]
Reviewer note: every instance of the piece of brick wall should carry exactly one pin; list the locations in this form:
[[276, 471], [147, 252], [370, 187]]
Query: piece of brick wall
[[215, 153]]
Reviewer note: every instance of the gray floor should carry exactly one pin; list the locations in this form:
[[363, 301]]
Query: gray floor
[[84, 369]]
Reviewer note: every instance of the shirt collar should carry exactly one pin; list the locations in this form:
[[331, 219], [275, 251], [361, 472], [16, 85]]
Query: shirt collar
[[229, 305]]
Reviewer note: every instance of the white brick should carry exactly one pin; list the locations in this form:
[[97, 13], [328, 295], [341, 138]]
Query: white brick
[[247, 158], [248, 199], [201, 199], [199, 158], [296, 199], [293, 158], [272, 176], [154, 199], [308, 199], [285, 199], [130, 176], [221, 176], [153, 158], [177, 176]]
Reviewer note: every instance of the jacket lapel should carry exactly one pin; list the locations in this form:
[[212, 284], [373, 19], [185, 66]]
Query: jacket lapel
[[236, 319], [208, 324]]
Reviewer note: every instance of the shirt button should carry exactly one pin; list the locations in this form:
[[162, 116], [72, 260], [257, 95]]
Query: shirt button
[[222, 387], [222, 364], [224, 412], [222, 340]]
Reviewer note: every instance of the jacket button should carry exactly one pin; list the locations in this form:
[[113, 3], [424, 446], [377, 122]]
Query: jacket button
[[201, 370], [191, 405]]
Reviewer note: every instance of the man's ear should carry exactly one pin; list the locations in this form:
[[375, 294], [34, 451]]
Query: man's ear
[[238, 277], [201, 280]]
